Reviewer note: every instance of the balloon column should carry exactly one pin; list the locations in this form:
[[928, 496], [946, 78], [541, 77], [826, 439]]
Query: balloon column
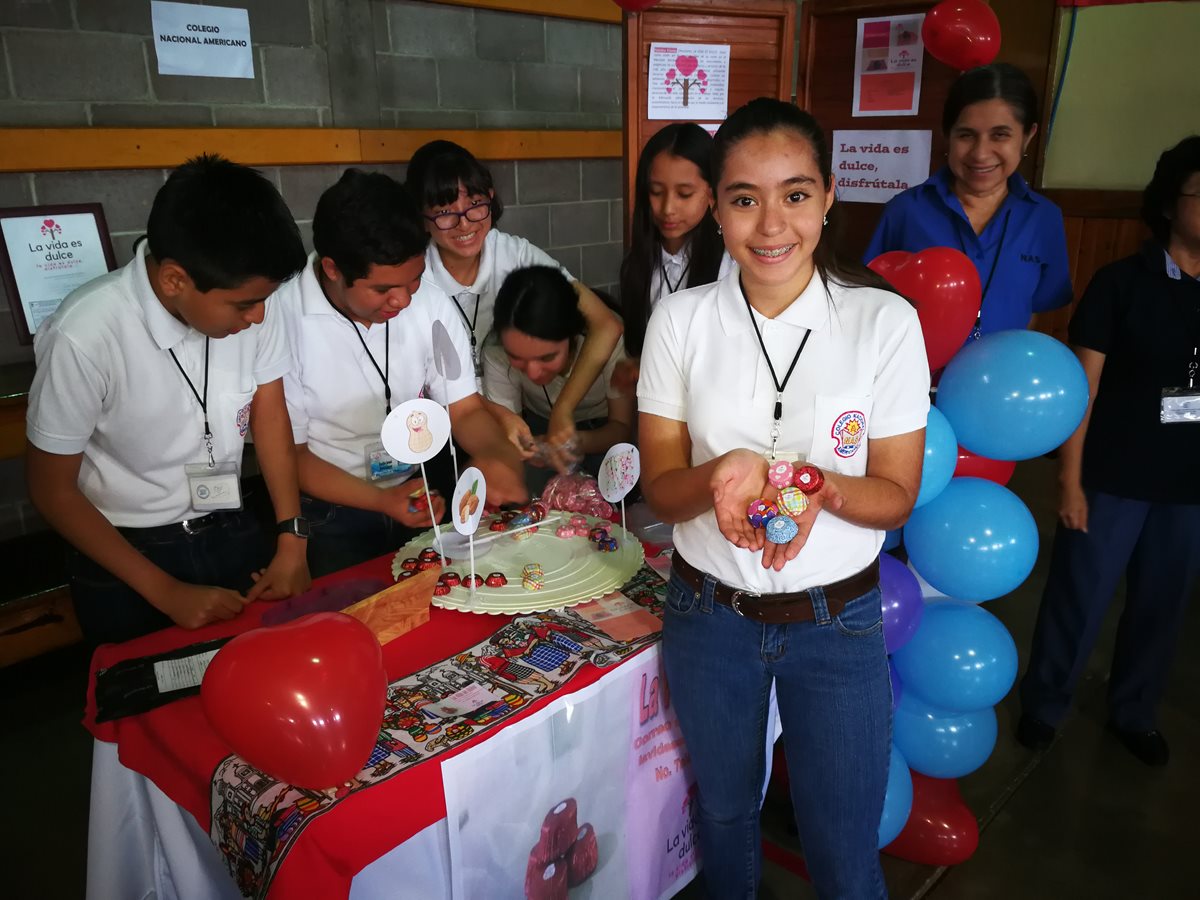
[[1005, 397]]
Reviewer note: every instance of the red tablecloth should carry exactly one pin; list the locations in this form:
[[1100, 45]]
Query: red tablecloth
[[175, 747]]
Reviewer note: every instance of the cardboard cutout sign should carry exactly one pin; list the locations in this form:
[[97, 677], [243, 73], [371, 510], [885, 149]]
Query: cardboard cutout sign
[[619, 472], [416, 430], [470, 494]]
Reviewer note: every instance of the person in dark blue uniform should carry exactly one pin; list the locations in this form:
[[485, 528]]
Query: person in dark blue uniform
[[1130, 486], [977, 203]]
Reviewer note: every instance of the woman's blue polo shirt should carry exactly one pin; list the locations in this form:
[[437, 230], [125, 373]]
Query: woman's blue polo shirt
[[1025, 241]]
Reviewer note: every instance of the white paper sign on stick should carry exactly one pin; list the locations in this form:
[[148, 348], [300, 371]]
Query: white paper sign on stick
[[445, 356], [466, 507], [619, 472], [416, 430]]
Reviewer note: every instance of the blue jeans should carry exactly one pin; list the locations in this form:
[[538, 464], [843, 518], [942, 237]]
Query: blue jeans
[[834, 693], [344, 536]]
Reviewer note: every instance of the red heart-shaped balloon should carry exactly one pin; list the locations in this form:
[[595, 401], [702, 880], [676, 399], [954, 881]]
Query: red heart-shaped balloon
[[941, 830], [944, 286], [884, 263], [303, 701], [962, 33]]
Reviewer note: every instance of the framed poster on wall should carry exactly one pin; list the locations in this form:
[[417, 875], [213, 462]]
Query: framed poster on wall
[[45, 253]]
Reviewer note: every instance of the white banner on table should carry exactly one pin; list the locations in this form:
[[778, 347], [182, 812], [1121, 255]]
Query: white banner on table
[[875, 166], [612, 755], [688, 82], [211, 41], [51, 256], [888, 57]]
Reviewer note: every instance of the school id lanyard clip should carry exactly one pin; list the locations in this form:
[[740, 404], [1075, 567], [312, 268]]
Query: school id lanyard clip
[[780, 387]]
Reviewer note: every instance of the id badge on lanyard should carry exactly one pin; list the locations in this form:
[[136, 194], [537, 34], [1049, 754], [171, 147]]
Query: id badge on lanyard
[[381, 465], [1181, 404], [212, 485]]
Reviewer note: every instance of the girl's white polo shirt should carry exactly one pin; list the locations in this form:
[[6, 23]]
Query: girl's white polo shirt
[[106, 387], [863, 374], [513, 390], [501, 254], [334, 394], [675, 265]]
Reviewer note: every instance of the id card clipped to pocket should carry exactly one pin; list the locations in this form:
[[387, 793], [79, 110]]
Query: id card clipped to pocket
[[381, 465], [214, 487], [1179, 404]]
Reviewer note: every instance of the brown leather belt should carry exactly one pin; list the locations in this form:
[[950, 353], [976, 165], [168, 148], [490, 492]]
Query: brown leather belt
[[781, 609]]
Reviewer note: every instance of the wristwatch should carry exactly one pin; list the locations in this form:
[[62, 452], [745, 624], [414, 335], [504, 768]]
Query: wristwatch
[[297, 526]]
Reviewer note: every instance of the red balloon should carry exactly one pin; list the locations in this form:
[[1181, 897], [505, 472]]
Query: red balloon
[[884, 263], [636, 5], [962, 33], [303, 702], [941, 830], [944, 286], [972, 466]]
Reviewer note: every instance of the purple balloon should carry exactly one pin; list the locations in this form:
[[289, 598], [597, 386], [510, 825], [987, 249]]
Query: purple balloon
[[902, 603], [897, 685]]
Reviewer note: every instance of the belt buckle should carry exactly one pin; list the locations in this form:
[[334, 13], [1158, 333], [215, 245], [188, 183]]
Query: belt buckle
[[736, 598], [194, 526]]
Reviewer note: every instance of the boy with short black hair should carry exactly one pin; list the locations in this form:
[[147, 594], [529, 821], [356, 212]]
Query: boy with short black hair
[[148, 379], [360, 322]]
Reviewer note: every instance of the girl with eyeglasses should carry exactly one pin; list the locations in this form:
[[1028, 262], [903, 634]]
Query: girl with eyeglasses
[[469, 259]]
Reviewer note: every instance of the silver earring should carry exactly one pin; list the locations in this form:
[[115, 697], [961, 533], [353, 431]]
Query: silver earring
[[824, 220], [719, 230]]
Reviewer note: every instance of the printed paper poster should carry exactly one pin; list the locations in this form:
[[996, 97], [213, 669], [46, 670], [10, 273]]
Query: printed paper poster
[[887, 66], [874, 166], [688, 82], [212, 41]]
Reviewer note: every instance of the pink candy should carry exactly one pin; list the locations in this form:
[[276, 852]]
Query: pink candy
[[564, 531], [780, 474]]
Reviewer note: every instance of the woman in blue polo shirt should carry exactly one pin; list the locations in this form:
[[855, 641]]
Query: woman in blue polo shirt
[[1130, 486], [977, 203]]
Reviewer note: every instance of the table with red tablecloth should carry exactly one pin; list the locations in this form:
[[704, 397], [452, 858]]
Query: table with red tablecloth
[[175, 749]]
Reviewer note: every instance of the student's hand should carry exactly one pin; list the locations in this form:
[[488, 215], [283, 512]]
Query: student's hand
[[828, 497], [287, 574], [561, 432], [504, 485], [196, 605], [1073, 506], [625, 377], [516, 430], [394, 502], [740, 476]]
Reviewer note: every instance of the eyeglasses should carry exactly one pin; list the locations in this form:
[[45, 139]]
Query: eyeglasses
[[448, 220]]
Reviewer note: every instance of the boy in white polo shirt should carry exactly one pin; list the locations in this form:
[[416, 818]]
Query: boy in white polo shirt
[[360, 323], [148, 379]]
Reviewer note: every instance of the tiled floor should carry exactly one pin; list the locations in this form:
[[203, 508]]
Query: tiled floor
[[1084, 819]]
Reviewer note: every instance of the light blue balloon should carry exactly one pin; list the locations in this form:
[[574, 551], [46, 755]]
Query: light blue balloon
[[897, 803], [891, 540], [961, 659], [939, 743], [941, 456], [975, 540], [1013, 394]]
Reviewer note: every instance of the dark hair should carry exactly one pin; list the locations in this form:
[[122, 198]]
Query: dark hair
[[365, 219], [763, 116], [223, 224], [436, 170], [539, 301], [998, 81], [689, 141], [1174, 167]]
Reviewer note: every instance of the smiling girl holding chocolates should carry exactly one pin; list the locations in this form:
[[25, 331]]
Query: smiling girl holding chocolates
[[798, 359]]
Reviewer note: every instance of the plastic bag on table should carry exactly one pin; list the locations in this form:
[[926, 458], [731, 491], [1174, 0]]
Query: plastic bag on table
[[578, 493]]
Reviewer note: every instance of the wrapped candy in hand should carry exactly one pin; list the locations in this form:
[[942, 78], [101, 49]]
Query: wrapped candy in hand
[[781, 529], [809, 479], [760, 512]]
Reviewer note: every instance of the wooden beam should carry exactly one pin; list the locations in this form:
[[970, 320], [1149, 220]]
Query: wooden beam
[[76, 149], [1095, 204], [385, 146], [589, 10]]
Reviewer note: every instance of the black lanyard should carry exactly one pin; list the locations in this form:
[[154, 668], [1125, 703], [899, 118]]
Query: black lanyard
[[387, 355], [672, 288], [202, 400], [780, 387], [470, 323], [991, 272]]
